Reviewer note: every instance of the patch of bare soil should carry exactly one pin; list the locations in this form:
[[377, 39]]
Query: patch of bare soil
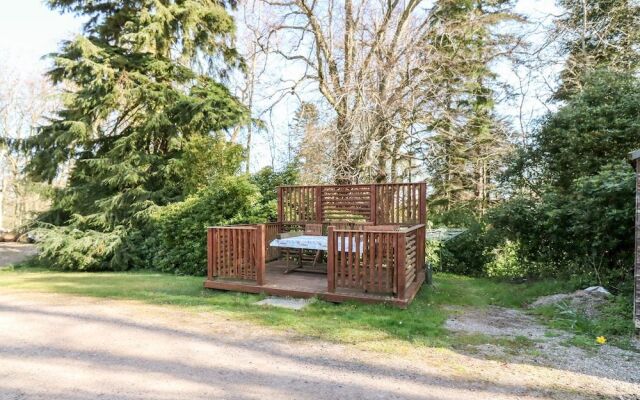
[[13, 253], [75, 348], [549, 347]]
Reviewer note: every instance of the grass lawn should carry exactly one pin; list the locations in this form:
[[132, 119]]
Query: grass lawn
[[377, 326]]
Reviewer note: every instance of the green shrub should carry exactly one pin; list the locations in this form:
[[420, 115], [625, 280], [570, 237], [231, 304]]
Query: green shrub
[[505, 262], [267, 180], [174, 238], [72, 249], [467, 253], [585, 233], [458, 217]]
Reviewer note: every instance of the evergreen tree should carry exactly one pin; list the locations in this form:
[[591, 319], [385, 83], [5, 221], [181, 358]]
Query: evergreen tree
[[597, 127], [305, 120], [143, 83], [469, 141]]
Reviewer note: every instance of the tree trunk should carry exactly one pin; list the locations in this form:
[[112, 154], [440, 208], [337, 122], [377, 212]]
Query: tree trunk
[[342, 159]]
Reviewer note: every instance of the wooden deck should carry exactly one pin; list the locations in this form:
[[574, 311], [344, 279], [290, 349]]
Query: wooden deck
[[306, 285], [385, 222]]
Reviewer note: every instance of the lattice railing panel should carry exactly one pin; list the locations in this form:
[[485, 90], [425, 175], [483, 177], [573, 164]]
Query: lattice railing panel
[[346, 203], [376, 261], [398, 204], [298, 203], [380, 204], [236, 252], [364, 260]]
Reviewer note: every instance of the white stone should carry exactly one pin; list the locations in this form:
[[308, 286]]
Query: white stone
[[285, 302], [597, 290]]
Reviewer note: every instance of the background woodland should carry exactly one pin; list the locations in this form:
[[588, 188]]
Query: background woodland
[[145, 129]]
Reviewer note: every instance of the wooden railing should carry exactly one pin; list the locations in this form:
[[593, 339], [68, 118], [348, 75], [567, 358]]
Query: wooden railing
[[272, 229], [400, 203], [237, 252], [412, 242], [380, 204], [375, 261]]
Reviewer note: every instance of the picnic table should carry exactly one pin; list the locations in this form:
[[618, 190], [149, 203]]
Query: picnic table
[[308, 242], [303, 242]]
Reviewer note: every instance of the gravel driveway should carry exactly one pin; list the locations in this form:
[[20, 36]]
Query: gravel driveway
[[12, 253], [64, 347]]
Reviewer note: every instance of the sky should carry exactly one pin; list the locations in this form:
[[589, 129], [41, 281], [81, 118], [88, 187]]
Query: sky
[[29, 30]]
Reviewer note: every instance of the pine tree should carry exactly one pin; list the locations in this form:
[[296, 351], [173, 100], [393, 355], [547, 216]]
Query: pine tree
[[142, 82], [469, 140], [313, 152]]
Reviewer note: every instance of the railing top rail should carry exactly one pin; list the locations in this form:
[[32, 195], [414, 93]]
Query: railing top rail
[[233, 227], [355, 184], [414, 227], [346, 230], [372, 229]]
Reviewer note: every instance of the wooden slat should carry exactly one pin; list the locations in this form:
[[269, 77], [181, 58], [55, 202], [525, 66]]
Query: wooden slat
[[331, 252], [400, 204], [260, 255], [401, 266], [357, 281], [342, 251]]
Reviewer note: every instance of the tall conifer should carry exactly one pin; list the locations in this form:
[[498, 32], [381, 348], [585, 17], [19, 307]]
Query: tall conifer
[[142, 81], [469, 140], [143, 90]]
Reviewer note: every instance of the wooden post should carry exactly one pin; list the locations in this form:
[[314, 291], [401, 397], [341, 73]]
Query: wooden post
[[280, 205], [373, 204], [260, 254], [331, 253], [319, 204], [634, 158], [423, 203], [422, 237], [401, 274], [636, 274], [209, 253]]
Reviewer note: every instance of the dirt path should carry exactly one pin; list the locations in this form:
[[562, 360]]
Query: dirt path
[[54, 346], [12, 253], [549, 346]]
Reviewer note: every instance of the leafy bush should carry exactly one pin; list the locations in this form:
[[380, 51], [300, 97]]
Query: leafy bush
[[598, 126], [267, 180], [467, 253], [72, 249], [174, 238], [505, 262], [457, 217], [169, 238], [585, 232]]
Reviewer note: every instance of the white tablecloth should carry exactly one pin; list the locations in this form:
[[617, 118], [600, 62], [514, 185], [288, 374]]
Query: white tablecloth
[[302, 242], [311, 243]]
